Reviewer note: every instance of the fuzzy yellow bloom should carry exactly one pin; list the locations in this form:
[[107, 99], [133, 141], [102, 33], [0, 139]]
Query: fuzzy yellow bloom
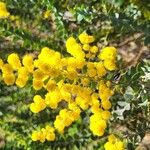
[[45, 68], [35, 136], [28, 62], [58, 124], [50, 137], [106, 104], [110, 64], [7, 69], [95, 108], [3, 11], [83, 103], [86, 47], [106, 115], [75, 63], [97, 124], [71, 74], [52, 99], [85, 38], [9, 79], [38, 105], [23, 71], [101, 71], [108, 53], [37, 84], [114, 143], [46, 133], [85, 81], [45, 53], [54, 72], [21, 81], [51, 85], [92, 72], [66, 118], [14, 61], [38, 74], [104, 91], [94, 49], [70, 41], [74, 48]]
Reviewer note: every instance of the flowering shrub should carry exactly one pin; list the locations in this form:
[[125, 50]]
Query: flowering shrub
[[61, 87], [67, 79]]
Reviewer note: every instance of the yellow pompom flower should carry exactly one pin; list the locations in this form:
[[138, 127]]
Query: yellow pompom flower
[[106, 104], [9, 79], [3, 11], [45, 68], [95, 108], [97, 124], [74, 48], [85, 81], [59, 125], [21, 81], [52, 99], [38, 136], [86, 47], [76, 51], [38, 74], [106, 115], [114, 143], [110, 64], [50, 137], [51, 85], [23, 71], [37, 84], [38, 105], [14, 61], [101, 71], [83, 103], [46, 54], [35, 136], [28, 62], [70, 41], [108, 53], [92, 72], [7, 69], [104, 91], [85, 38], [71, 74], [94, 49]]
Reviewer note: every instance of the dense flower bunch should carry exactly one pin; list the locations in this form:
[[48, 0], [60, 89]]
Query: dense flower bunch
[[3, 11], [46, 133], [114, 143], [67, 79]]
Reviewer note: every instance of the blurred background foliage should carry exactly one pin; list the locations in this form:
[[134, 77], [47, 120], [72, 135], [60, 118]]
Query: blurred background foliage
[[34, 24]]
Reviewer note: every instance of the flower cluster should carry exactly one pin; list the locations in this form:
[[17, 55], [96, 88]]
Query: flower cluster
[[46, 133], [38, 105], [114, 143], [67, 79], [66, 118], [3, 11]]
